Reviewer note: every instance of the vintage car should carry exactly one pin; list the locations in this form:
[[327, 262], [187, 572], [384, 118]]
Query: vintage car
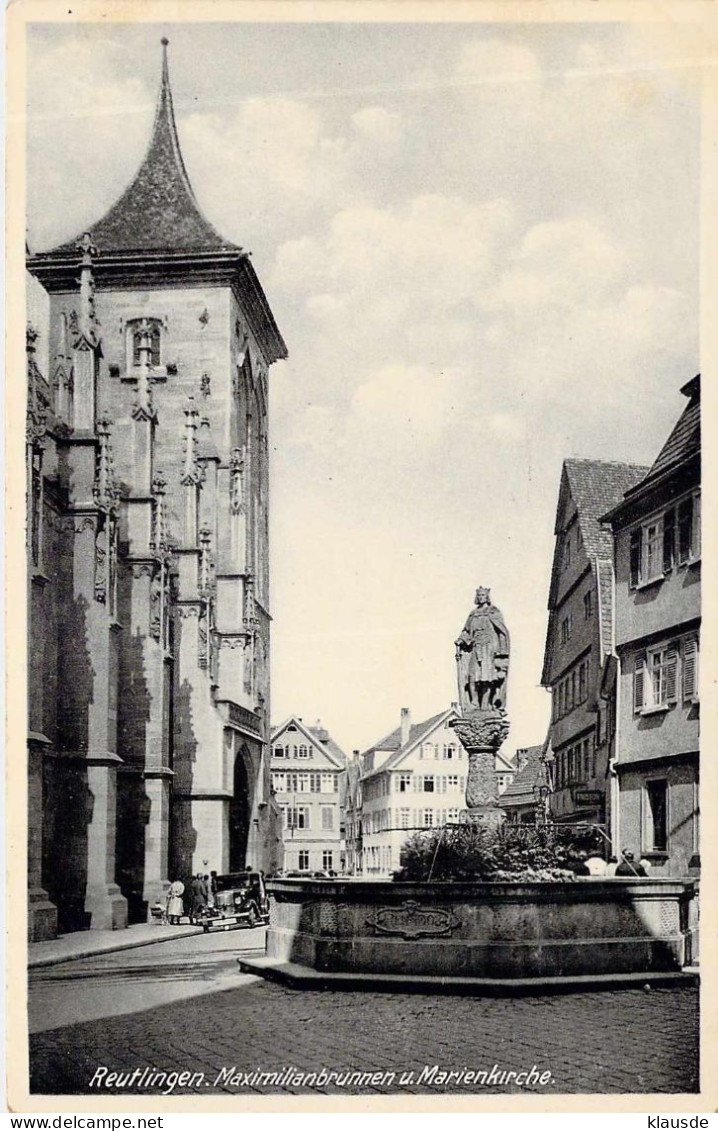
[[240, 900]]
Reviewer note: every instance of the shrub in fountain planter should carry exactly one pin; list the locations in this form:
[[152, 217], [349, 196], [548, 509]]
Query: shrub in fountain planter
[[490, 854]]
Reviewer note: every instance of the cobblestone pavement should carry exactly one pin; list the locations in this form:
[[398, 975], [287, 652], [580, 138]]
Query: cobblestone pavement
[[635, 1041]]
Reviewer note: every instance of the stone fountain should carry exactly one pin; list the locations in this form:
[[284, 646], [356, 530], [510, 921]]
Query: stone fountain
[[479, 937]]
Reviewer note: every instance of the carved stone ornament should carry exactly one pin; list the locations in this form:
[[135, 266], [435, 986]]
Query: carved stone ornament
[[100, 569], [412, 921], [156, 592], [142, 569], [188, 611], [231, 642], [482, 730]]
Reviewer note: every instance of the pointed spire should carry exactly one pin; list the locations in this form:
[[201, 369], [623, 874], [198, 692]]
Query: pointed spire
[[105, 488], [159, 210]]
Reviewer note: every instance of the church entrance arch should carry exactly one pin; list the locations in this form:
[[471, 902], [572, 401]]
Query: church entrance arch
[[240, 809]]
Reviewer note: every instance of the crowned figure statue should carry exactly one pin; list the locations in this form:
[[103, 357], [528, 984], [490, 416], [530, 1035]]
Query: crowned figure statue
[[482, 657], [482, 663]]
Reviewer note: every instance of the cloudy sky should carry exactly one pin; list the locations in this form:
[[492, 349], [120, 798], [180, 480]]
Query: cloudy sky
[[480, 242]]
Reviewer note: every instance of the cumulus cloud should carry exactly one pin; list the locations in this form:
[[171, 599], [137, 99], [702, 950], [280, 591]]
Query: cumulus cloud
[[480, 264]]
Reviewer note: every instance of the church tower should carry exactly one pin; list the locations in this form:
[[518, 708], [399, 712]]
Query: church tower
[[160, 344]]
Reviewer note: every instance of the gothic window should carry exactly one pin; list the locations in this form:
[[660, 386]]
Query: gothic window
[[134, 341]]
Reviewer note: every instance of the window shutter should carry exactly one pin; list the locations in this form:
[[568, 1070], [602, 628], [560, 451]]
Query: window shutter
[[685, 530], [639, 677], [671, 673], [690, 671], [669, 538], [635, 564]]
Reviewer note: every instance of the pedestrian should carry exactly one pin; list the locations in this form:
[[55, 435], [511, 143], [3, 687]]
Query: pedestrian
[[628, 867], [213, 888], [208, 899], [198, 896], [595, 866], [175, 903]]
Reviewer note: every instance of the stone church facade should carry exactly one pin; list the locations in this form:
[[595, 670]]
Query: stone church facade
[[148, 567]]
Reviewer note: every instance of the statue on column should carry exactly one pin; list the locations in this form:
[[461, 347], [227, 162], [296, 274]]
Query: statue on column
[[482, 657], [482, 662]]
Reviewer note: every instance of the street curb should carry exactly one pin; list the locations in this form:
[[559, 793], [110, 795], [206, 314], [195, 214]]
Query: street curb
[[304, 978], [130, 944]]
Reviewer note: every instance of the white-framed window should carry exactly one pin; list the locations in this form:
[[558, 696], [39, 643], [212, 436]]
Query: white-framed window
[[327, 818], [330, 783], [404, 783], [655, 815], [303, 861], [566, 627], [315, 783], [427, 818], [327, 860], [665, 540], [296, 817], [689, 672], [278, 751], [452, 781], [453, 816], [404, 818], [279, 781], [449, 752], [428, 783], [655, 679], [588, 604], [303, 751], [688, 515]]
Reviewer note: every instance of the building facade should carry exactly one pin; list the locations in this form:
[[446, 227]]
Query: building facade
[[307, 779], [414, 778], [658, 616], [351, 790], [148, 558], [579, 634], [524, 799]]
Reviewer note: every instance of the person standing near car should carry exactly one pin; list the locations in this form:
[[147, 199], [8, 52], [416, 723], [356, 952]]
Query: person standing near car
[[175, 904], [198, 895]]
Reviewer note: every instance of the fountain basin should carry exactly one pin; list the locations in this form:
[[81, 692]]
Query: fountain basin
[[525, 930]]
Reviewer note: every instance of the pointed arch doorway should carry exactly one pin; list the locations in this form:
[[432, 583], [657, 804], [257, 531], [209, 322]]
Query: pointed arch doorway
[[240, 810]]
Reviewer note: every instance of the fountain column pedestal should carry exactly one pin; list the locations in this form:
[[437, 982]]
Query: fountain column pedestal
[[481, 733]]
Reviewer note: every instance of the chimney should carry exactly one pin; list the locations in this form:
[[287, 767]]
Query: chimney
[[405, 725]]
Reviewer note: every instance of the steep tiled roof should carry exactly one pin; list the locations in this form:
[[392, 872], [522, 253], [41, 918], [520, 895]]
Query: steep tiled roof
[[682, 446], [317, 734], [596, 486], [323, 738], [159, 210], [392, 741], [685, 439], [521, 790]]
